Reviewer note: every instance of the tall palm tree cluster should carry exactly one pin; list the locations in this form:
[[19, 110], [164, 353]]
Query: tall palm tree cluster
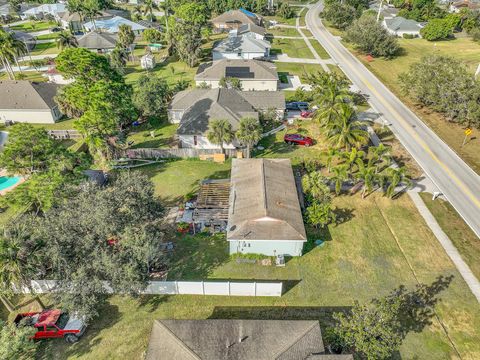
[[345, 161], [10, 50]]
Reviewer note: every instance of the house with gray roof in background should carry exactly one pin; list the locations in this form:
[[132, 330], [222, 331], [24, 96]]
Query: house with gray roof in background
[[264, 215], [233, 19], [254, 75], [29, 102], [399, 26], [216, 339], [99, 42], [252, 30], [194, 109], [241, 47]]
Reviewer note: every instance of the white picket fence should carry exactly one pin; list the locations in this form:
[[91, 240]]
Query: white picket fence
[[225, 288]]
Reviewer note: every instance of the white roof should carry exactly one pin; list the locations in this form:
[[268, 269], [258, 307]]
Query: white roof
[[112, 25], [46, 8]]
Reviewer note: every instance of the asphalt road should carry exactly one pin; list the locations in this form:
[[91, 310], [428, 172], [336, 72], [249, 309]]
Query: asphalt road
[[455, 179]]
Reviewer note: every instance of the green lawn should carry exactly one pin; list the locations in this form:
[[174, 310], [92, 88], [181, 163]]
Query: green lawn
[[62, 124], [27, 75], [463, 49], [320, 50], [280, 20], [295, 48], [45, 49], [464, 239], [301, 70], [367, 256], [279, 31], [51, 36], [32, 26], [163, 132]]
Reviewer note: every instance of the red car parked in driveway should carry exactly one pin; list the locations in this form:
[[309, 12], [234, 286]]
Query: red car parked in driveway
[[298, 139], [307, 114], [52, 324]]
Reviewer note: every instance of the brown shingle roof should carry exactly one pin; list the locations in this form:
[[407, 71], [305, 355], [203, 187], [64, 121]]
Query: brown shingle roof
[[264, 201], [236, 16], [26, 95]]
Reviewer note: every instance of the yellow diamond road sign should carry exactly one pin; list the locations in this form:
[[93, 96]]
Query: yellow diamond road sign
[[468, 131]]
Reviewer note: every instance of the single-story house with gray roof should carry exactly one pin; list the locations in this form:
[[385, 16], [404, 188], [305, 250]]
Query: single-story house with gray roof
[[194, 109], [399, 26], [241, 47], [254, 75], [216, 339], [264, 215], [99, 42], [252, 30], [29, 102]]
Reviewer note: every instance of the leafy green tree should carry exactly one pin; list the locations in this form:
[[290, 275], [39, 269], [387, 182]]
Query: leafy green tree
[[220, 132], [152, 35], [149, 6], [15, 342], [152, 95], [286, 11], [371, 329], [445, 85], [339, 15], [28, 150], [351, 157], [91, 9], [107, 234], [320, 214], [118, 58], [230, 83], [249, 133], [437, 29], [66, 40], [372, 38], [315, 187], [126, 36]]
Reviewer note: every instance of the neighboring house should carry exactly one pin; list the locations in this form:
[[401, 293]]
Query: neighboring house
[[39, 12], [241, 47], [252, 30], [255, 75], [455, 7], [24, 37], [98, 41], [147, 61], [30, 102], [387, 11], [233, 19], [111, 25], [194, 109], [264, 216], [214, 339], [55, 77], [71, 21], [400, 26]]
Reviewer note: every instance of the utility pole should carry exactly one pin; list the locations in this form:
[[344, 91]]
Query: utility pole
[[270, 5], [379, 10]]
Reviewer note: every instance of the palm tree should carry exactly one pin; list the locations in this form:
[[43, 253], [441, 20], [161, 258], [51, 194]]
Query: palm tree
[[15, 269], [381, 154], [137, 12], [249, 133], [314, 185], [368, 175], [395, 177], [148, 7], [346, 132], [91, 9], [331, 155], [66, 40], [220, 132], [10, 49], [165, 5], [340, 175], [352, 156]]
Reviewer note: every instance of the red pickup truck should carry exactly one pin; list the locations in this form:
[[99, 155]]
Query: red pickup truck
[[53, 324]]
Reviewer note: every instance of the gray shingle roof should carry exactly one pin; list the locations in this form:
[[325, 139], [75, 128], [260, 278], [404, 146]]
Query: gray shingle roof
[[246, 28], [401, 24], [235, 340], [243, 44], [202, 105], [26, 95], [262, 70], [98, 40], [236, 16], [264, 201]]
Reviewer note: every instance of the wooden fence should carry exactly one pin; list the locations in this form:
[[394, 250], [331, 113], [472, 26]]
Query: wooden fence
[[225, 288], [177, 153]]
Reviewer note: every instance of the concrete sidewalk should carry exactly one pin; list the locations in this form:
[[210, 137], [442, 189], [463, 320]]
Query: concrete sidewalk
[[447, 245]]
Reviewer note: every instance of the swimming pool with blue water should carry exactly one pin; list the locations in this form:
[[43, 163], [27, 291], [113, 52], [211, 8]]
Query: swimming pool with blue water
[[6, 182]]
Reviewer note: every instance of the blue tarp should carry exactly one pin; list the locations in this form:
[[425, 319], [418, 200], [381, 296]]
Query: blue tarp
[[248, 13]]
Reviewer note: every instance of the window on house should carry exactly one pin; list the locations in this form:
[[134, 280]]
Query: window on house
[[195, 141]]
